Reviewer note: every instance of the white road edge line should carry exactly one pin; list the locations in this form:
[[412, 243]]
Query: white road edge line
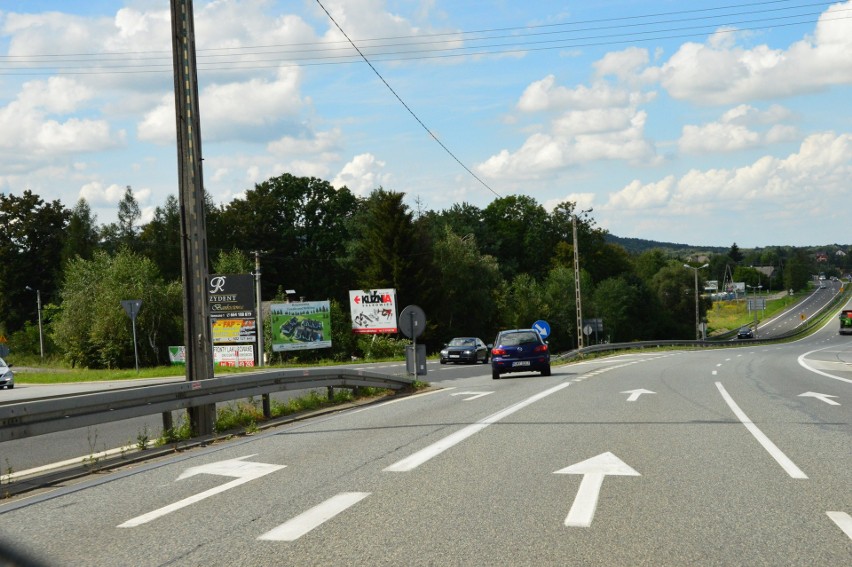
[[803, 364], [789, 466], [423, 455], [843, 521], [295, 528]]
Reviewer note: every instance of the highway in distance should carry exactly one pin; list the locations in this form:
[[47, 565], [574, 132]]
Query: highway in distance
[[729, 456]]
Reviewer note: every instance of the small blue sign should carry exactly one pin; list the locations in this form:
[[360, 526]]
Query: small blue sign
[[543, 328]]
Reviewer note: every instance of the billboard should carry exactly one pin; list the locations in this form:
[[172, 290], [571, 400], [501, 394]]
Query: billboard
[[373, 311], [300, 325], [230, 296], [234, 330]]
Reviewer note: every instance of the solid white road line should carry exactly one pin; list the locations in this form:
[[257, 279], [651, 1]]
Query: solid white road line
[[423, 455], [292, 530], [782, 459]]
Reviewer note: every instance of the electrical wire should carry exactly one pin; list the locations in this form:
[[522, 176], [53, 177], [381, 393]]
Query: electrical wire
[[417, 118]]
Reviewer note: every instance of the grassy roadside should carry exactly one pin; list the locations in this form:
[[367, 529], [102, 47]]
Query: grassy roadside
[[727, 316]]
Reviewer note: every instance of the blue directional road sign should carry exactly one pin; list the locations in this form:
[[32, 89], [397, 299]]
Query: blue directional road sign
[[543, 328]]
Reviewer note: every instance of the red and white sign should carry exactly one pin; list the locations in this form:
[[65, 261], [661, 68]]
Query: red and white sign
[[373, 311], [233, 355]]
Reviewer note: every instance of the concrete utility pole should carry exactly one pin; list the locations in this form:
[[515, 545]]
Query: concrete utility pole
[[259, 307], [197, 334], [577, 284]]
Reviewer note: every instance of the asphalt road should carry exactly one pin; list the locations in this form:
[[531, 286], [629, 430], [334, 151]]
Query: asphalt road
[[737, 456]]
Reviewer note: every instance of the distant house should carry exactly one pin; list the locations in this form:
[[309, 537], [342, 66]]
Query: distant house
[[821, 257], [768, 271], [840, 253]]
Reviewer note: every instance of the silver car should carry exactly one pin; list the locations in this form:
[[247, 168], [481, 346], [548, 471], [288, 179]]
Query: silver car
[[7, 377]]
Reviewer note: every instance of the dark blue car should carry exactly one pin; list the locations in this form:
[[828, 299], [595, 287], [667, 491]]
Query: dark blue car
[[519, 350]]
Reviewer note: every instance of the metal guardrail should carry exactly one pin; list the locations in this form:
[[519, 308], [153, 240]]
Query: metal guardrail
[[38, 417], [816, 320]]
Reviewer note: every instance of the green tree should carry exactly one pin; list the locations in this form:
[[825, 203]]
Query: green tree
[[518, 232], [388, 250], [93, 330], [159, 240], [81, 237], [521, 302], [32, 235], [232, 262], [797, 272], [734, 253], [467, 281], [300, 224], [675, 289], [128, 217]]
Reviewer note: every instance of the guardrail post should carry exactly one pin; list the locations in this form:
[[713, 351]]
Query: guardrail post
[[330, 393], [267, 406], [168, 421]]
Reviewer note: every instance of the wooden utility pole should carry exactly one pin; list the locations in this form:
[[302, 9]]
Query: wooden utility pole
[[197, 335]]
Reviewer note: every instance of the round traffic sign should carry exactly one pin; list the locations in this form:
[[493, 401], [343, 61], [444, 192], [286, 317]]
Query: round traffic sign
[[543, 328], [412, 321]]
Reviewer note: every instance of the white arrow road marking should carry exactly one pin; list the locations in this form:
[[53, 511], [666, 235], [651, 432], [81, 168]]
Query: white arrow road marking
[[593, 470], [843, 521], [473, 395], [823, 397], [776, 453], [634, 394], [292, 530], [243, 471], [413, 461]]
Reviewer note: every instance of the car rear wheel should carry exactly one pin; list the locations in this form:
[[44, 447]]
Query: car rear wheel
[[546, 371], [495, 375]]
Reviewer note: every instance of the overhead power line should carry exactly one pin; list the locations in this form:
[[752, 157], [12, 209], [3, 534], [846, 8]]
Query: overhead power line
[[492, 41], [417, 118]]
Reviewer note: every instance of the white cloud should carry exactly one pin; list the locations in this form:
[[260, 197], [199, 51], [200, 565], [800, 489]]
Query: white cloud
[[719, 72], [814, 177], [734, 131], [362, 175], [544, 95], [96, 193]]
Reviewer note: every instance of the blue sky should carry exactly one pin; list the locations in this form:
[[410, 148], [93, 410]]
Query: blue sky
[[705, 123]]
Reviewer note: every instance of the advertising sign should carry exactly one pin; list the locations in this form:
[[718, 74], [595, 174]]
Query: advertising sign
[[234, 330], [300, 325], [177, 355], [230, 296], [233, 355], [373, 311], [223, 355]]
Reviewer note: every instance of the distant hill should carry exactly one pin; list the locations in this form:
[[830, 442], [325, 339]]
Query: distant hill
[[639, 245]]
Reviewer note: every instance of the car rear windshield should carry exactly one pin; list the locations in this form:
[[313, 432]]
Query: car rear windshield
[[511, 339]]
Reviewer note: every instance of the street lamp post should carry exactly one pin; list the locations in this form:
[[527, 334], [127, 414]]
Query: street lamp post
[[697, 321], [755, 288], [40, 332]]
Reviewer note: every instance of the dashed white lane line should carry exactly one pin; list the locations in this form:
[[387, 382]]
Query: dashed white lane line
[[295, 528], [423, 455], [843, 521]]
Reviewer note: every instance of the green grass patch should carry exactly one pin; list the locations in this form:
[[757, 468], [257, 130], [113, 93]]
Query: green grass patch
[[727, 316]]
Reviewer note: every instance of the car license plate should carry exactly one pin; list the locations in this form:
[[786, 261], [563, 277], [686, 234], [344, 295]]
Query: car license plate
[[521, 363], [454, 356]]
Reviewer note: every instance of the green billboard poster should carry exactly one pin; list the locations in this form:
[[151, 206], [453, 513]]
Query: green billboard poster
[[300, 325]]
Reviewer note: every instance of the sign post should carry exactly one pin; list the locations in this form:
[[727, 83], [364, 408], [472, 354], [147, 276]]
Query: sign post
[[412, 322], [131, 307]]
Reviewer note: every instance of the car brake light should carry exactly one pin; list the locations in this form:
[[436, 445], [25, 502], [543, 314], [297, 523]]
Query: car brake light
[[540, 348], [499, 351]]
